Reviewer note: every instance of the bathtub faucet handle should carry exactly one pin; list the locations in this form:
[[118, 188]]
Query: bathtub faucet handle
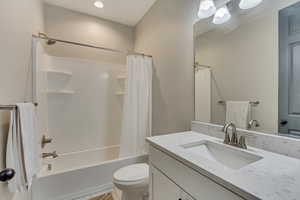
[[45, 141]]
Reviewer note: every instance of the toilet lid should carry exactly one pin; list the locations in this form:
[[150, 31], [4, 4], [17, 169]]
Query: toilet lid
[[132, 173]]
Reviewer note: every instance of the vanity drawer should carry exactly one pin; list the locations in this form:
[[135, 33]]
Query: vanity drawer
[[195, 184]]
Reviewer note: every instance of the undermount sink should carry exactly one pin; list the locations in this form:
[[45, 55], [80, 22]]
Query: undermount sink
[[226, 155]]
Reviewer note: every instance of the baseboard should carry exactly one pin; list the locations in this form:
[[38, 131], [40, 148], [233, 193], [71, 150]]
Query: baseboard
[[87, 193]]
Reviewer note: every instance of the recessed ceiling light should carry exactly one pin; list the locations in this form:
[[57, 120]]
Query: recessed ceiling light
[[99, 4]]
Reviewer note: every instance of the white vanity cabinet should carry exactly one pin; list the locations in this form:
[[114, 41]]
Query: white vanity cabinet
[[171, 179], [164, 189]]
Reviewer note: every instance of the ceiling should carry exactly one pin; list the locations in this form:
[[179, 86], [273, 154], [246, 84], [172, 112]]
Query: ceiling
[[128, 12]]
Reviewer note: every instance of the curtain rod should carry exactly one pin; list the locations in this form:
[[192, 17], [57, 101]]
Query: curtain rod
[[52, 41]]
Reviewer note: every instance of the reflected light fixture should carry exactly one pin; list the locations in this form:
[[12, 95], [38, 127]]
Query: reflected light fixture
[[99, 4], [247, 4], [207, 9], [222, 15]]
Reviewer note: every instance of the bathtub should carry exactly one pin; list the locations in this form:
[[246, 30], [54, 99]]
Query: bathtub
[[81, 175]]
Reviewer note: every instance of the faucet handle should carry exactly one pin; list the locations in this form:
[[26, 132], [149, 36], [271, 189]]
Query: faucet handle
[[224, 128], [242, 142], [45, 141], [253, 123], [55, 155]]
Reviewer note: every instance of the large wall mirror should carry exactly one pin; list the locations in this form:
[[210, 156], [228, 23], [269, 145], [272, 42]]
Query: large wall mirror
[[247, 70]]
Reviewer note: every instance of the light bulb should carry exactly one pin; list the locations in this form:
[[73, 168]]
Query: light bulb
[[247, 4], [206, 9], [222, 15], [99, 4]]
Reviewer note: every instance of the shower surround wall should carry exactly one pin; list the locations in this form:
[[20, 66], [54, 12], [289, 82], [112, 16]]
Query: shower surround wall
[[84, 108], [91, 107]]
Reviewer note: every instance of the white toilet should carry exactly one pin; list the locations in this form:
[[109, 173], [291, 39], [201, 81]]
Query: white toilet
[[133, 181]]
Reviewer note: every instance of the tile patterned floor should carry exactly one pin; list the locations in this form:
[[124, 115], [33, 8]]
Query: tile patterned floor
[[107, 196]]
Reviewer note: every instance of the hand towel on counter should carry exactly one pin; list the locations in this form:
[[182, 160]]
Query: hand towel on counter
[[239, 113], [23, 149]]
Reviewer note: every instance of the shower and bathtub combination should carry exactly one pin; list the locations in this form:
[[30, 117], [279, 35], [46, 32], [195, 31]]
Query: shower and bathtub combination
[[87, 114]]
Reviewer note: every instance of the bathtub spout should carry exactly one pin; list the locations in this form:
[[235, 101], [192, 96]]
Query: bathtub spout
[[53, 155]]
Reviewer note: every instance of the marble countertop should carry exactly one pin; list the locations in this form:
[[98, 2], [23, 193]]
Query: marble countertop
[[274, 177]]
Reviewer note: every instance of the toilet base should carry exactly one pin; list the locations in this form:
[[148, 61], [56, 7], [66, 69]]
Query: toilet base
[[130, 195], [133, 181]]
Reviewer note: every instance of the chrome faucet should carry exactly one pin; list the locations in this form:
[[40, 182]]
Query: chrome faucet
[[234, 140], [253, 123], [53, 155]]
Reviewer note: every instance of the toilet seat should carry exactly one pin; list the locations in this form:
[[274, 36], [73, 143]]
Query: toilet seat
[[137, 174]]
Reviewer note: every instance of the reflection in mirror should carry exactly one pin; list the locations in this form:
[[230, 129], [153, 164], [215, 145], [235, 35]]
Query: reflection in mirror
[[247, 70]]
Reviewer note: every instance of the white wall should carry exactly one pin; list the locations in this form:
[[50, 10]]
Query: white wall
[[166, 32], [73, 26], [18, 19]]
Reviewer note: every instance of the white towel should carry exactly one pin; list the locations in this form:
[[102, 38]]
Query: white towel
[[23, 147], [14, 155], [239, 113]]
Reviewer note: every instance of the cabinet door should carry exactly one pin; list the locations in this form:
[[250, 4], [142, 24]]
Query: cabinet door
[[162, 188], [191, 181], [185, 196]]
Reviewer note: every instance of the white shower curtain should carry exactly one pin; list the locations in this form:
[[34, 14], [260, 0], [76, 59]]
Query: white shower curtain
[[203, 95], [137, 110]]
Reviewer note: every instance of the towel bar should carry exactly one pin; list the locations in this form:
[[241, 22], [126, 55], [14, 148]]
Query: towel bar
[[253, 103], [11, 107]]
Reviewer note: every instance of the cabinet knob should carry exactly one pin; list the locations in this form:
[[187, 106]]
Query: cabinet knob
[[7, 175], [283, 122]]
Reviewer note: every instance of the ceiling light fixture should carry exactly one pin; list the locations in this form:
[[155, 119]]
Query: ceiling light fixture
[[207, 9], [222, 15], [247, 4], [99, 4]]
